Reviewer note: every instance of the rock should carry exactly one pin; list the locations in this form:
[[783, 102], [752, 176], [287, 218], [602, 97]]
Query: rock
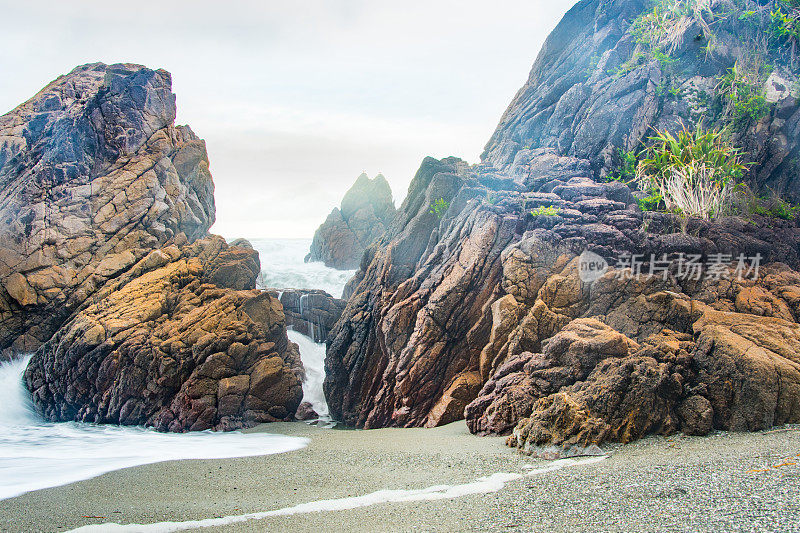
[[422, 331], [242, 243], [96, 176], [450, 304], [483, 301], [180, 347], [311, 312], [697, 415], [726, 370], [750, 368], [107, 271], [367, 208], [594, 90], [235, 268], [568, 357], [306, 412]]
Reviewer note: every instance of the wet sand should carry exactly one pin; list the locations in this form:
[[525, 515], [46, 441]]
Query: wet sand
[[728, 481]]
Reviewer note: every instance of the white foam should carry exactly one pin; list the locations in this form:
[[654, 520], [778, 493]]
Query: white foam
[[313, 356], [483, 485], [283, 267], [35, 454]]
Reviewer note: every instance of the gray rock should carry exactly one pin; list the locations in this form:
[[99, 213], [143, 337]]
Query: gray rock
[[366, 210]]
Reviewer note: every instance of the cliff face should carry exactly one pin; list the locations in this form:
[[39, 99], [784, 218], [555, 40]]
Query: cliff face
[[366, 210], [94, 175], [615, 70], [473, 297]]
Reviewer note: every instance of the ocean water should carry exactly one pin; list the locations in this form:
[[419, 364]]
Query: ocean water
[[35, 454], [283, 267], [313, 357]]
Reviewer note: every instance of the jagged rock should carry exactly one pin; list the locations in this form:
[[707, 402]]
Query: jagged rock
[[175, 345], [416, 323], [95, 175], [106, 268], [366, 210], [595, 88], [311, 312], [440, 305], [568, 357], [689, 365]]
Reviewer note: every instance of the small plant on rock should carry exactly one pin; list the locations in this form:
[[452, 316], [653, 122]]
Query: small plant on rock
[[546, 211], [440, 207], [771, 205]]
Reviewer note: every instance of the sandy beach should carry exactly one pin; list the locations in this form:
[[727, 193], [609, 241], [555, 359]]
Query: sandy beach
[[728, 481]]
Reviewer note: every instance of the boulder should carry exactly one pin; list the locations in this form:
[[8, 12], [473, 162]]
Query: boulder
[[306, 412]]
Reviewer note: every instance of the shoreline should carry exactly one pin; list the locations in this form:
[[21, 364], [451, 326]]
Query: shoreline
[[679, 483]]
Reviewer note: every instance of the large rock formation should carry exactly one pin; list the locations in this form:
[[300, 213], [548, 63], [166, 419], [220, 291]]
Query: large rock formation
[[137, 316], [366, 210], [94, 175], [653, 360], [442, 304], [613, 70], [175, 346], [473, 296]]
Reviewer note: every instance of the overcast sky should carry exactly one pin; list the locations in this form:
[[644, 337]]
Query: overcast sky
[[296, 99]]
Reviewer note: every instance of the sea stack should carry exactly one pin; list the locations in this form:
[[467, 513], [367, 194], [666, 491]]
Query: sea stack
[[135, 313], [366, 210]]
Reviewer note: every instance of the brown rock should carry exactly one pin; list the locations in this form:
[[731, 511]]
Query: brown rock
[[697, 415], [306, 412], [170, 350], [367, 208], [96, 176]]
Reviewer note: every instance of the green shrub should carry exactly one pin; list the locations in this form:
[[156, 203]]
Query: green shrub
[[650, 203], [439, 208], [693, 173], [742, 90], [624, 169], [770, 205], [784, 28], [785, 210], [549, 211]]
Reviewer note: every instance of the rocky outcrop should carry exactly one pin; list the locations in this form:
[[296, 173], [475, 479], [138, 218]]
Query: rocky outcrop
[[441, 304], [94, 176], [473, 298], [313, 313], [137, 316], [671, 362], [181, 342], [408, 334], [598, 86], [366, 210]]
